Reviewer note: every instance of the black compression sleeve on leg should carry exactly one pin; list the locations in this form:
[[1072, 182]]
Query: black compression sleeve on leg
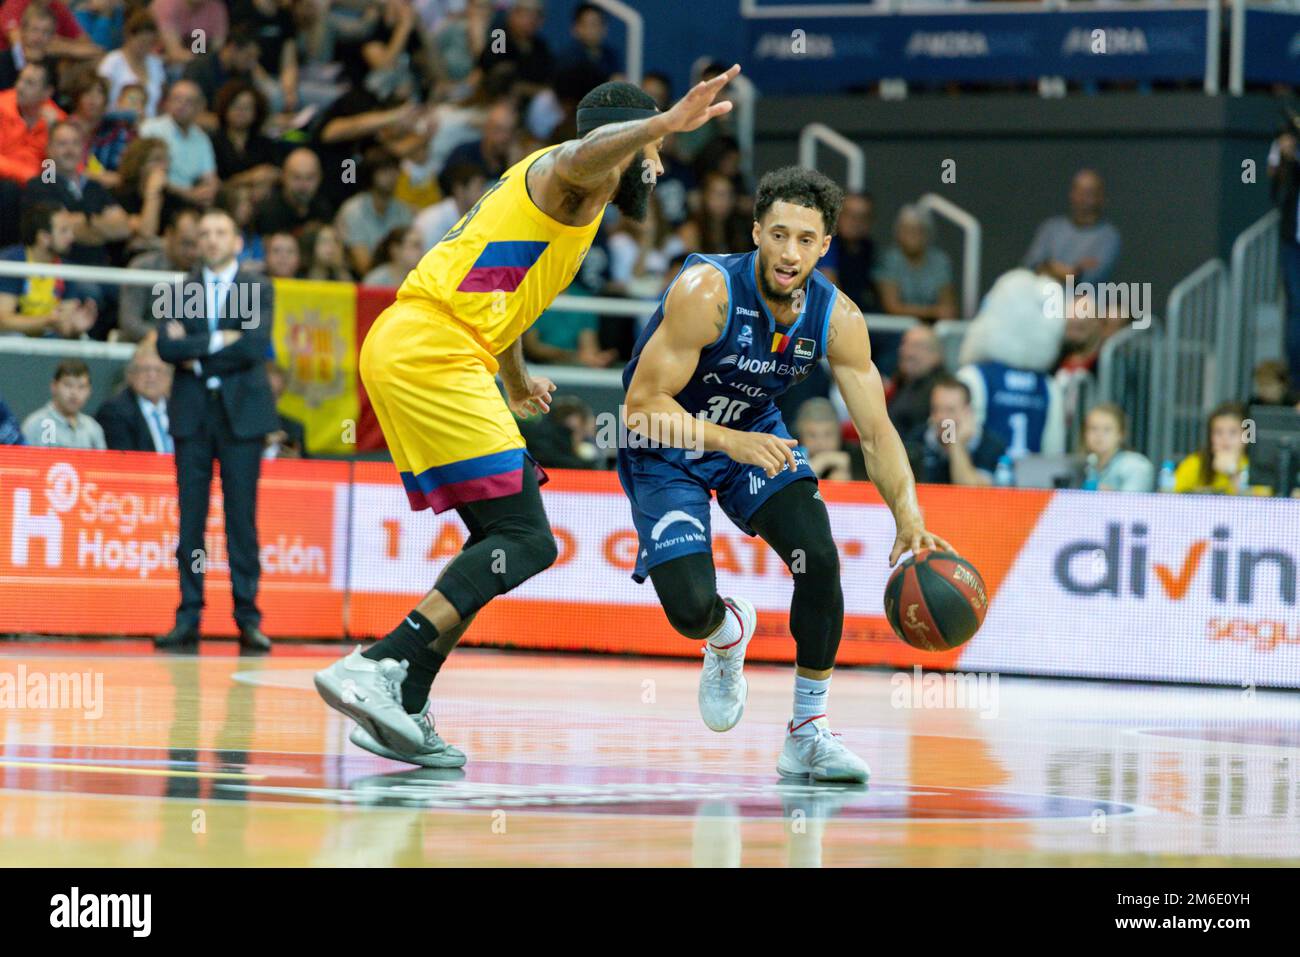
[[797, 526], [688, 590], [514, 544]]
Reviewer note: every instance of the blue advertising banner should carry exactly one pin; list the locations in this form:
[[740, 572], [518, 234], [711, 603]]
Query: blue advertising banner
[[1272, 47], [793, 55]]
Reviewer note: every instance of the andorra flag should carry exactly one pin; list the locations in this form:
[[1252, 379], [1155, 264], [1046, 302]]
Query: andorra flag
[[319, 328]]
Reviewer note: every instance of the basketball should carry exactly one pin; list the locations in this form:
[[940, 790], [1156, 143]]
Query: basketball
[[935, 601]]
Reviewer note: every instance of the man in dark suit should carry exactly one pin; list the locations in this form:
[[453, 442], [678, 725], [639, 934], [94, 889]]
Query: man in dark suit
[[221, 408], [135, 418]]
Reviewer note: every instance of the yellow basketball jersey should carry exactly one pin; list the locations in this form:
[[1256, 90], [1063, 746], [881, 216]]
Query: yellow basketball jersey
[[503, 263]]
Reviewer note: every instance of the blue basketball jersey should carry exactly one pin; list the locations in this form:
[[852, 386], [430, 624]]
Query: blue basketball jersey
[[1016, 406], [754, 359]]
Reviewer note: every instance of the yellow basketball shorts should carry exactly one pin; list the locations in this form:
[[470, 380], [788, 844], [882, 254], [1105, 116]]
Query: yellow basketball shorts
[[433, 387]]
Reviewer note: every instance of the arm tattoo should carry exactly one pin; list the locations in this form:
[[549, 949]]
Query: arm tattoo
[[605, 147], [720, 323]]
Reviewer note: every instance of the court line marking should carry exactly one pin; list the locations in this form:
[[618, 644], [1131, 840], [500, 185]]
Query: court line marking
[[109, 769]]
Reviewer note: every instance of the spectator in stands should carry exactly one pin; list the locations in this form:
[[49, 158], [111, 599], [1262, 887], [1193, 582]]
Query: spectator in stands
[[660, 87], [272, 25], [1081, 244], [179, 252], [457, 44], [244, 155], [492, 151], [35, 34], [143, 188], [103, 21], [688, 145], [914, 278], [952, 448], [523, 47], [26, 115], [397, 254], [283, 256], [1284, 179], [11, 430], [637, 256], [235, 60], [184, 23], [323, 255], [60, 422], [1007, 357], [136, 63], [237, 200], [1221, 465], [289, 441], [41, 305], [567, 338], [1111, 467], [564, 438], [850, 262], [920, 365], [716, 225], [70, 41], [817, 427], [589, 55], [370, 215], [192, 165], [101, 218], [134, 419], [107, 135], [465, 182], [299, 201], [1272, 385], [384, 50]]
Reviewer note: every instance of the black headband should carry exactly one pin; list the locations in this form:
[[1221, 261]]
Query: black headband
[[590, 117]]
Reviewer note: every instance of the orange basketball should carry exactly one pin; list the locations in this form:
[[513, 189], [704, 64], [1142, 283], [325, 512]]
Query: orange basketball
[[935, 601]]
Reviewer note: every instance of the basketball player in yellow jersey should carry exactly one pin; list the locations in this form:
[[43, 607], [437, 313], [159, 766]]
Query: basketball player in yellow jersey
[[429, 365]]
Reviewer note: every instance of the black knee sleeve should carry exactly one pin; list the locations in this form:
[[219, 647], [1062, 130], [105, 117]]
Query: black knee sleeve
[[688, 591]]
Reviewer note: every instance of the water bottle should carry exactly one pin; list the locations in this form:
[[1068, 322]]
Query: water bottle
[[1090, 478], [1166, 481], [1005, 475]]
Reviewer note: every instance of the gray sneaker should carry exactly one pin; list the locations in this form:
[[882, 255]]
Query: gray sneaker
[[370, 693], [433, 753]]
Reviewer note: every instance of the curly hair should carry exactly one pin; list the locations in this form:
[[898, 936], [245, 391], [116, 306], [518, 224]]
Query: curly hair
[[802, 187]]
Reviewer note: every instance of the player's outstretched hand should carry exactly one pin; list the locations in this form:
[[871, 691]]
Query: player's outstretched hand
[[537, 399], [916, 539], [769, 452], [697, 107]]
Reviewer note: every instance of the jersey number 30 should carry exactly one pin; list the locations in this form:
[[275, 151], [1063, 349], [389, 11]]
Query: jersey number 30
[[723, 409]]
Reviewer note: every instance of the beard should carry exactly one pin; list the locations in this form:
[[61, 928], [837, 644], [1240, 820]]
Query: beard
[[633, 196], [772, 292]]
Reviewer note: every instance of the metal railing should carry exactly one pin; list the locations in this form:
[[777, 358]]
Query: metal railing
[[972, 243], [951, 333], [635, 25], [1127, 370], [1256, 298], [815, 133], [1193, 370]]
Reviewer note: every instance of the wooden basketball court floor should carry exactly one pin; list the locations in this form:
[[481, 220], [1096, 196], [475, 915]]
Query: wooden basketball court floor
[[216, 759]]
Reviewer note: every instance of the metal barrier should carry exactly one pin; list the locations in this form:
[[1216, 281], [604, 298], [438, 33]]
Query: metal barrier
[[1127, 372], [951, 333], [1256, 298], [1194, 365], [972, 243], [815, 133], [635, 25]]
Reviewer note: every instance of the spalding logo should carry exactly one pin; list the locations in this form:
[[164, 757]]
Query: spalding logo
[[963, 574]]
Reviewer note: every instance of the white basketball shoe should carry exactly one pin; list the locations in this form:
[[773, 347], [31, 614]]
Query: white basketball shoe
[[723, 687], [820, 756], [370, 693], [434, 753]]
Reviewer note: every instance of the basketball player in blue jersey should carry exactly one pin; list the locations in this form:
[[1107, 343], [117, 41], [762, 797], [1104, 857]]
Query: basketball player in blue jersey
[[730, 334]]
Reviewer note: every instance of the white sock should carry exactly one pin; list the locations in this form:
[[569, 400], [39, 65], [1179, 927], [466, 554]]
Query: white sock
[[810, 700], [728, 633]]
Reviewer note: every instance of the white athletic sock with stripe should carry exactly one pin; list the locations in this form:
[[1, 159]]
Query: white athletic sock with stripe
[[728, 634], [810, 700]]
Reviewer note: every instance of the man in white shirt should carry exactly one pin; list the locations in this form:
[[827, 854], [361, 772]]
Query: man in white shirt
[[221, 409], [60, 422]]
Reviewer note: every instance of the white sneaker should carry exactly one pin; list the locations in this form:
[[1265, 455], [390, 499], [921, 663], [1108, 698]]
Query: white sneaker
[[723, 687], [434, 753], [370, 693], [820, 757]]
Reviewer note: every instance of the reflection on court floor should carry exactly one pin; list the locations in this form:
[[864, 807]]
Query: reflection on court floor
[[220, 760]]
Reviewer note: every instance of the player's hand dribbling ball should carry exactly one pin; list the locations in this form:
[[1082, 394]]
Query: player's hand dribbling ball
[[935, 601]]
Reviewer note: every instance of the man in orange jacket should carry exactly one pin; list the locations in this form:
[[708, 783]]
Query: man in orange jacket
[[26, 115]]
